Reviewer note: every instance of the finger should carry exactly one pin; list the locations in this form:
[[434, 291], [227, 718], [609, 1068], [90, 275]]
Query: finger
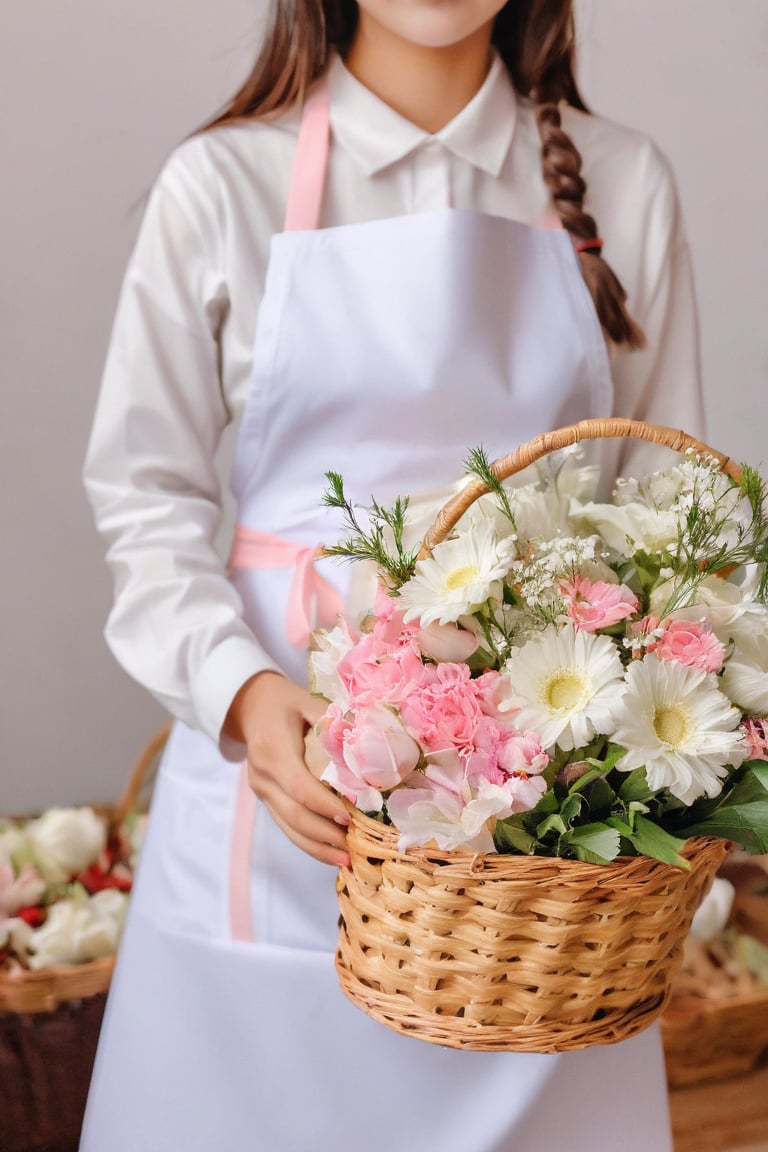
[[313, 708], [303, 786], [302, 820], [325, 853]]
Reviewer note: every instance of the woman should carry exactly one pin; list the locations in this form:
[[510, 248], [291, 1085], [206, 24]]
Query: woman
[[429, 280]]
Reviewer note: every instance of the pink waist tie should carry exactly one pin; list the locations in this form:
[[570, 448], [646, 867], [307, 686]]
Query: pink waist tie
[[311, 596]]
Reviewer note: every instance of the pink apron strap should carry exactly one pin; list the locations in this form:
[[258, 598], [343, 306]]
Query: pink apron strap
[[240, 859], [305, 194], [311, 596]]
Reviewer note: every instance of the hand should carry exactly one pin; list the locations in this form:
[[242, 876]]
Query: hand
[[270, 715]]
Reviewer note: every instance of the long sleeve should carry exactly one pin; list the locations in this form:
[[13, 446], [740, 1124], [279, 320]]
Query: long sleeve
[[661, 383], [632, 195], [176, 625]]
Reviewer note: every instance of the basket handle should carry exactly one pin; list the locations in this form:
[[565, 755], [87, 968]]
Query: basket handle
[[597, 429], [142, 771]]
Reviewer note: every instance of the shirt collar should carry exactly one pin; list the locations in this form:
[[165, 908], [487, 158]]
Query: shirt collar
[[377, 136]]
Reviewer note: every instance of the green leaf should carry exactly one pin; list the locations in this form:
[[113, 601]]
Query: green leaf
[[752, 786], [548, 803], [745, 824], [508, 836], [599, 796], [740, 815], [623, 827], [571, 807], [594, 843], [635, 787], [651, 840], [553, 823]]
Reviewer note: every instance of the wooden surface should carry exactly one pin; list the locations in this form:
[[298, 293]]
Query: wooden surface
[[731, 1116]]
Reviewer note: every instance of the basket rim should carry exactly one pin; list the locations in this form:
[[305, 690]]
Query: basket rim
[[596, 428], [25, 990], [684, 1008], [484, 862]]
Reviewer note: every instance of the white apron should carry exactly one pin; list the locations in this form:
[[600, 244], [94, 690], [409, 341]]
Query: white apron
[[384, 350]]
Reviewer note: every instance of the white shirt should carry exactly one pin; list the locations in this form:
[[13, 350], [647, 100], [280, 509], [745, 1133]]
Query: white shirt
[[179, 363]]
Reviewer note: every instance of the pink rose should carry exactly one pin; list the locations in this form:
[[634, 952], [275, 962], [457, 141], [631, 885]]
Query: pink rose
[[592, 605], [692, 643], [370, 753], [446, 643]]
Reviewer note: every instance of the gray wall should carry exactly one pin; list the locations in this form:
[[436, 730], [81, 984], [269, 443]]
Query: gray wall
[[93, 94]]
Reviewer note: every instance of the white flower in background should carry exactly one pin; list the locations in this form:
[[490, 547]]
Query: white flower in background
[[65, 841], [728, 605], [679, 726], [136, 835], [78, 929], [13, 844], [460, 575], [745, 679], [330, 649], [543, 510], [564, 684], [630, 528], [713, 912]]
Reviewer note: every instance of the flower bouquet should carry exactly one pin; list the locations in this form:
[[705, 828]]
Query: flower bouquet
[[548, 727]]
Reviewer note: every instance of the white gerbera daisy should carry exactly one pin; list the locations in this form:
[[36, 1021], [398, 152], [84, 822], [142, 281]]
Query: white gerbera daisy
[[679, 726], [563, 686], [458, 577]]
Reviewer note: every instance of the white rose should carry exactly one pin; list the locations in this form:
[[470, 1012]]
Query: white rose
[[713, 912], [331, 648], [18, 934], [65, 841], [630, 527], [79, 929]]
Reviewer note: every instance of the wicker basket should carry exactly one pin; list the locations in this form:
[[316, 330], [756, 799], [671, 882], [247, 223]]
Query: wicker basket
[[713, 1040], [516, 953], [49, 1025], [708, 1033]]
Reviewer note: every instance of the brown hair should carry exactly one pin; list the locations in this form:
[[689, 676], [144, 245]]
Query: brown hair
[[535, 39]]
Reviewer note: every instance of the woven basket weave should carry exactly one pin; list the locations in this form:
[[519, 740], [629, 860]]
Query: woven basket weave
[[712, 1040], [516, 953], [50, 1021]]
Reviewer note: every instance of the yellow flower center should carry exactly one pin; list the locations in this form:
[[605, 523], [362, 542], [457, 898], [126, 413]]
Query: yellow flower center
[[672, 725], [566, 689], [462, 577]]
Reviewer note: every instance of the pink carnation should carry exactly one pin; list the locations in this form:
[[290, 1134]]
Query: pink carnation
[[592, 605], [443, 712], [756, 738], [501, 752], [692, 643], [374, 672]]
